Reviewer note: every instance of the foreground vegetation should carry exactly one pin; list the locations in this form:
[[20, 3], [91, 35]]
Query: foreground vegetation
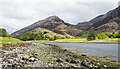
[[9, 40], [105, 37]]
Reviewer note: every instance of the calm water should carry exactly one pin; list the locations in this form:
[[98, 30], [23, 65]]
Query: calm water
[[93, 49]]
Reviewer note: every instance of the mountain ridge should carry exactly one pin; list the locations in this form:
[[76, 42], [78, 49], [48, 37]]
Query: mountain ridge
[[108, 22], [52, 23]]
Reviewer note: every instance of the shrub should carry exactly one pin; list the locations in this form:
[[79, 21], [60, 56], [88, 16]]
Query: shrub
[[51, 38], [56, 37], [67, 37], [3, 32], [63, 33], [99, 37], [91, 36], [103, 36], [62, 37]]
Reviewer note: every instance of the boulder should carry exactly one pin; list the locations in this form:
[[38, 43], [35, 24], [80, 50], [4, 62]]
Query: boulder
[[83, 55], [26, 57], [73, 61], [65, 49], [58, 60], [32, 59]]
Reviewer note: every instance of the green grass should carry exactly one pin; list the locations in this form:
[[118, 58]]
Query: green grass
[[9, 40], [108, 40], [77, 40], [38, 41]]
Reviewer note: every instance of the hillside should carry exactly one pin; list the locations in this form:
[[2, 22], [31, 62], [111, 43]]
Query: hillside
[[52, 23], [86, 25], [108, 22]]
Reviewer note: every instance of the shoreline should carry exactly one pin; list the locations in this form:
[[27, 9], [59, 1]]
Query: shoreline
[[80, 42], [46, 55]]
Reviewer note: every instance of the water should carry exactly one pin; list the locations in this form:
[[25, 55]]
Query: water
[[93, 49]]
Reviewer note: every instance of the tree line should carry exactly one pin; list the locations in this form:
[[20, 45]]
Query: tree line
[[94, 36], [38, 36]]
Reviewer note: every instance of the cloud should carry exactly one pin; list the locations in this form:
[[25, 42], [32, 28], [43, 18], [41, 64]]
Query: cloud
[[16, 14]]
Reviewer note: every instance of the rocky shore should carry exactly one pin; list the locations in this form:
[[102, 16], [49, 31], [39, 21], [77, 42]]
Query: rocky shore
[[45, 55]]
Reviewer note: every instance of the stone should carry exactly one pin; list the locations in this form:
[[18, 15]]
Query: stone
[[65, 49], [105, 66], [26, 57], [14, 55], [83, 55], [32, 59], [73, 61], [67, 60], [84, 63], [58, 60]]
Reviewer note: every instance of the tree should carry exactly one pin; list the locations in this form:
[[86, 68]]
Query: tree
[[112, 36], [99, 37], [91, 36], [62, 37], [3, 32], [56, 37], [67, 37], [103, 36], [51, 38]]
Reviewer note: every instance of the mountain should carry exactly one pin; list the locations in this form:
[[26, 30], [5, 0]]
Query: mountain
[[52, 23], [108, 22], [86, 25]]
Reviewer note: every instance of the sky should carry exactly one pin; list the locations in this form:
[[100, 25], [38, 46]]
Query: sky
[[17, 14]]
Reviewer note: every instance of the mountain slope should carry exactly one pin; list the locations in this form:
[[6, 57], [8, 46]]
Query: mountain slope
[[85, 25], [108, 22], [52, 23]]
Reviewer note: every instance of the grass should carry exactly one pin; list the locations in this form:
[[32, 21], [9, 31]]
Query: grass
[[76, 40], [6, 40], [9, 40], [38, 41], [108, 40]]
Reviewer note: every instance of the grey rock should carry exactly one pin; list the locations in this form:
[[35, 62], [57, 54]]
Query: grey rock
[[32, 59], [73, 61], [83, 55], [58, 60]]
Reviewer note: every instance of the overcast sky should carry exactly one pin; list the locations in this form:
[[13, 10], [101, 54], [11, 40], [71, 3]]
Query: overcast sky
[[16, 14]]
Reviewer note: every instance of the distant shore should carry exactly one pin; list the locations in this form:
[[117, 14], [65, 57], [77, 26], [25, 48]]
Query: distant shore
[[81, 40]]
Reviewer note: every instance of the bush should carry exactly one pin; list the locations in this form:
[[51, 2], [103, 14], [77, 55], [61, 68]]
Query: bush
[[56, 37], [103, 36], [91, 36], [67, 37], [51, 38], [31, 36], [99, 37], [3, 32], [63, 33], [62, 37], [114, 36]]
